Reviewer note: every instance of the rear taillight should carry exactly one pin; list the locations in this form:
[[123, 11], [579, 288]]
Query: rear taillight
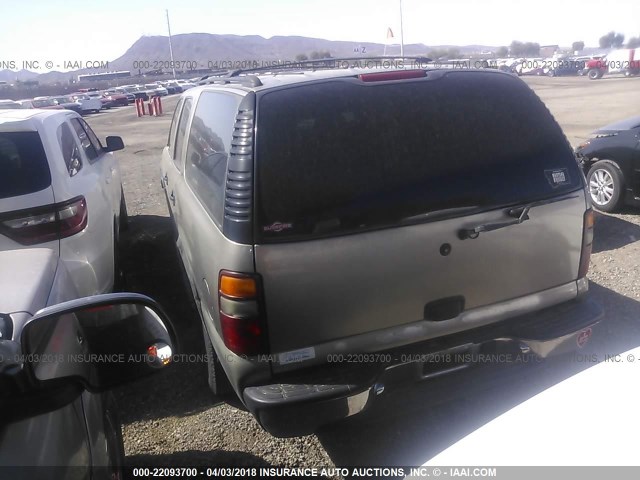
[[587, 241], [43, 224], [387, 76], [242, 317]]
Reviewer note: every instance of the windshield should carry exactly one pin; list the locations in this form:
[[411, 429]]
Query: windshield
[[43, 103], [393, 152]]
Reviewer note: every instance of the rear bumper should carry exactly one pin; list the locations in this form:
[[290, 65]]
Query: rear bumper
[[300, 402]]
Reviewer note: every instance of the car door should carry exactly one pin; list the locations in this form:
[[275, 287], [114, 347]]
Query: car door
[[173, 179], [94, 181]]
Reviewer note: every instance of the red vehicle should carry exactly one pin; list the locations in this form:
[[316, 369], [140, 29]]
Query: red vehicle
[[625, 61], [116, 99]]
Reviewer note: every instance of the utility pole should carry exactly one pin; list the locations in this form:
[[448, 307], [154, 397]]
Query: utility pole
[[401, 33], [173, 67]]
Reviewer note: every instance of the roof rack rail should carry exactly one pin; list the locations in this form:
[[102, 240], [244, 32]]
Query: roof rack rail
[[224, 78], [325, 63]]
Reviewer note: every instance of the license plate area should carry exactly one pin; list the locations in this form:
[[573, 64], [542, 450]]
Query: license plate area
[[448, 361]]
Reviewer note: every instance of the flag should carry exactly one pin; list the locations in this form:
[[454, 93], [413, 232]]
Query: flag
[[389, 33]]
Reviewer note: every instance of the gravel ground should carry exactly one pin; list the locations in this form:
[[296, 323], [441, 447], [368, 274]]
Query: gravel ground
[[173, 419]]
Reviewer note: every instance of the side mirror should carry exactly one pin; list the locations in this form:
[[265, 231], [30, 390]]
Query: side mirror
[[102, 341], [114, 143]]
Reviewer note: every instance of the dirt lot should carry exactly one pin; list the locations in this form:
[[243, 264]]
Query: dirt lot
[[172, 418]]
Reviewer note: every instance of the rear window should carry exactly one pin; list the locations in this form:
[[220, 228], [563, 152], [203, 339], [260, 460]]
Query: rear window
[[342, 156], [23, 164]]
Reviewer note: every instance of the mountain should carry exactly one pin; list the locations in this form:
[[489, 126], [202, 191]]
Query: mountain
[[207, 49], [199, 51]]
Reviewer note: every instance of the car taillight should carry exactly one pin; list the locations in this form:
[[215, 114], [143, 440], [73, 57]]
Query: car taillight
[[43, 224], [386, 76], [242, 321], [587, 242]]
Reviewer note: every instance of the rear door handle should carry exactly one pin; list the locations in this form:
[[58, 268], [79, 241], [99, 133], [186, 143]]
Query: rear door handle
[[172, 197]]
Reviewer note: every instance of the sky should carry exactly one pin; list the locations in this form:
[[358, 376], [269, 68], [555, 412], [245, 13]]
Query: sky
[[102, 30]]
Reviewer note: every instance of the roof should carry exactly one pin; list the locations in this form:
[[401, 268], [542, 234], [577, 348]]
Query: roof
[[626, 124], [278, 78], [29, 114]]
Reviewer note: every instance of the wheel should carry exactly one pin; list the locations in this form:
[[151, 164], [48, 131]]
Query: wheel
[[124, 215], [551, 73], [113, 437], [218, 381], [606, 185], [119, 283], [594, 74], [627, 73]]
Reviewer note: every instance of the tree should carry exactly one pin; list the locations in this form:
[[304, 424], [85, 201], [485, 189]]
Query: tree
[[618, 40], [577, 46], [611, 39], [441, 53], [318, 55], [528, 49], [633, 42], [502, 52], [301, 57]]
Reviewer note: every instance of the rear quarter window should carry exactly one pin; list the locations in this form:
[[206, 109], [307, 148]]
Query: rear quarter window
[[341, 156], [23, 164], [208, 149]]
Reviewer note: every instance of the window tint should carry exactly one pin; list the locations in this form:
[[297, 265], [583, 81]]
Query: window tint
[[89, 150], [70, 151], [23, 164], [174, 126], [208, 149], [93, 138], [342, 156], [182, 132]]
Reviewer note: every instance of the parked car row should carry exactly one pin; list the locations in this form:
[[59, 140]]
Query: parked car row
[[92, 100], [623, 61]]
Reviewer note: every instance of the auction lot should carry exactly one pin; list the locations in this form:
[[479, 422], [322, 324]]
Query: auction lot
[[173, 419]]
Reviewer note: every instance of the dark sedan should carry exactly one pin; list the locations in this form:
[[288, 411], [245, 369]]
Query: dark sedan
[[68, 103], [611, 162]]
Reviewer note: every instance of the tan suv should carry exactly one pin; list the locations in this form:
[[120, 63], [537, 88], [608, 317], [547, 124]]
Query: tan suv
[[339, 227]]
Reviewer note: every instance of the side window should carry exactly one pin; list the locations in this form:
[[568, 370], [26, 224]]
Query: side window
[[70, 151], [208, 149], [174, 126], [89, 150], [182, 132], [93, 138]]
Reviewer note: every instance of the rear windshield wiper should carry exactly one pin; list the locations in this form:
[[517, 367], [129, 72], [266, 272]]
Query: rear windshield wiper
[[520, 214], [445, 212]]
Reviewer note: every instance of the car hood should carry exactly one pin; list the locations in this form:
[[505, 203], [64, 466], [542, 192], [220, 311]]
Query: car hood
[[26, 278], [626, 124], [588, 419]]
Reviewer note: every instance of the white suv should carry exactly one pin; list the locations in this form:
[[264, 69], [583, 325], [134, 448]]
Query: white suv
[[60, 189]]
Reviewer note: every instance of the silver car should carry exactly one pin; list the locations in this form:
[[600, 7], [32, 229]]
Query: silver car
[[59, 356], [347, 230]]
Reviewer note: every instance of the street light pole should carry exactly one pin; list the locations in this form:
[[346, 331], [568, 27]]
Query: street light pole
[[173, 68], [401, 33]]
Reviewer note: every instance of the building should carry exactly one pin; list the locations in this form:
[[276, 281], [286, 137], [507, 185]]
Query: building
[[93, 77]]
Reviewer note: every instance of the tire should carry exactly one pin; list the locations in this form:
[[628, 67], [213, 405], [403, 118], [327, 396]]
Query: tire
[[594, 74], [124, 215], [551, 73], [119, 280], [217, 378], [113, 437], [605, 181]]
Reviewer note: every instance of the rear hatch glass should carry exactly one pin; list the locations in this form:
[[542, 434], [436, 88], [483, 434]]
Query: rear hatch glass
[[343, 156], [23, 164]]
